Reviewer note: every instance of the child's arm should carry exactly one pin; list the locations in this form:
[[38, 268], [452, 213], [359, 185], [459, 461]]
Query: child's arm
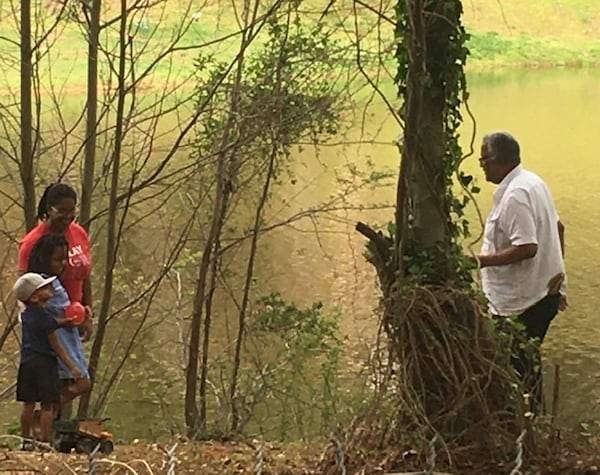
[[63, 355], [64, 322]]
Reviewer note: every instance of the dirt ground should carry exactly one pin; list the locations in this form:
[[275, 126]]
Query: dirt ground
[[238, 458], [251, 458], [152, 459]]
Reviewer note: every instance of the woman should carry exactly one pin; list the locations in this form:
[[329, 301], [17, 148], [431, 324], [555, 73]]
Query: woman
[[57, 212]]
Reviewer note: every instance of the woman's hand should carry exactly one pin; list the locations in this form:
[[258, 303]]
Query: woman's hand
[[87, 325]]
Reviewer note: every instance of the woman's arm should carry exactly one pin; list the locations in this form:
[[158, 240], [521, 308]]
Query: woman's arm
[[87, 326], [87, 293]]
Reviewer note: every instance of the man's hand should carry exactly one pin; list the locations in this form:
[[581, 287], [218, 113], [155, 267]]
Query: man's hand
[[554, 289], [554, 283], [563, 304]]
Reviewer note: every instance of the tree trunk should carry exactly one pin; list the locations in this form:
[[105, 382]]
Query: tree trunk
[[26, 162], [92, 107], [258, 217], [112, 237], [428, 186], [411, 144], [235, 410], [423, 175], [195, 420]]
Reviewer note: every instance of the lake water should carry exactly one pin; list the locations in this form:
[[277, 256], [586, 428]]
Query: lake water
[[555, 116], [553, 113]]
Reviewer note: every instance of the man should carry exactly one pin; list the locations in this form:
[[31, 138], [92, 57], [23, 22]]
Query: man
[[521, 258]]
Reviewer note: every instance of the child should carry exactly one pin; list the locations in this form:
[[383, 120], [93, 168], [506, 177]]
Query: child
[[37, 379], [49, 257]]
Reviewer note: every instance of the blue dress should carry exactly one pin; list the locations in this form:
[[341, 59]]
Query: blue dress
[[68, 336]]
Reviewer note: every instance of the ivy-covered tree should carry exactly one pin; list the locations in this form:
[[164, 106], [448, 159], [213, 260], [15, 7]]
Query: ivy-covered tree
[[447, 376]]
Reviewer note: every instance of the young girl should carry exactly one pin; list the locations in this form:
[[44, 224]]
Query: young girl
[[49, 257]]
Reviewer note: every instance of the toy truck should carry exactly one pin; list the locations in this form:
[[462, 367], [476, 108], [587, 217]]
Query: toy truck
[[82, 435]]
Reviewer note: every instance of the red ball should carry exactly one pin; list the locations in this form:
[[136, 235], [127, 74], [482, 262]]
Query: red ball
[[75, 312]]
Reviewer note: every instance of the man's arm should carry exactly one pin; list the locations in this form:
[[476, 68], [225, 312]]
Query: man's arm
[[563, 303], [561, 236], [510, 255], [517, 222]]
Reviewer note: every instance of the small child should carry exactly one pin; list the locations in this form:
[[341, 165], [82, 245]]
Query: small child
[[37, 379], [48, 257]]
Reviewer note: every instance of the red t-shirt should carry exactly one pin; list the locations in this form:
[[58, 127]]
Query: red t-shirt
[[79, 264]]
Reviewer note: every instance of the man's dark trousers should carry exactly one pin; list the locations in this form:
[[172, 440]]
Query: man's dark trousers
[[528, 361]]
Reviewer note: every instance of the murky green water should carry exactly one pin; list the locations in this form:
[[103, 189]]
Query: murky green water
[[554, 115]]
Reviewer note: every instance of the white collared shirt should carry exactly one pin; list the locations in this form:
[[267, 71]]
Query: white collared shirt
[[523, 213]]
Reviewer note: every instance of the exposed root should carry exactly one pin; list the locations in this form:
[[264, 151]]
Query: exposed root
[[446, 389], [449, 369]]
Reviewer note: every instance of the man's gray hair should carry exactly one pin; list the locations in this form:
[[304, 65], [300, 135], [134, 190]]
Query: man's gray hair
[[504, 146]]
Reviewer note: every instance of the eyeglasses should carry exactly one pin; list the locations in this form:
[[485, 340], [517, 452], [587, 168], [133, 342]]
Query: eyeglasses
[[64, 212], [485, 158]]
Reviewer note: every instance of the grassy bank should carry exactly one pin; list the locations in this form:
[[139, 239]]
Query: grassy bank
[[491, 50], [537, 33], [504, 33]]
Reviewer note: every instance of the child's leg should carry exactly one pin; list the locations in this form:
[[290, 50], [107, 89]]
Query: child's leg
[[77, 388], [27, 419], [35, 427], [46, 418]]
